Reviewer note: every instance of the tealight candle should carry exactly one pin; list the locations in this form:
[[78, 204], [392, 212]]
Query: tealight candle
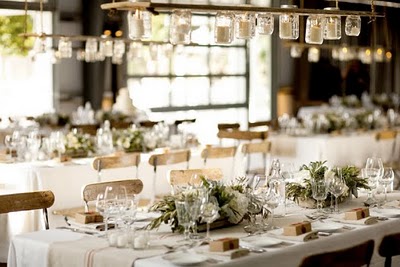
[[136, 28], [315, 34], [141, 240], [223, 34], [244, 29], [332, 26], [122, 240], [285, 29], [331, 30], [354, 31], [224, 27], [113, 239]]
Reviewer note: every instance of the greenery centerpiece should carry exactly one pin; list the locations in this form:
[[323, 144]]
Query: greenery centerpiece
[[78, 144], [301, 192], [232, 199], [130, 140]]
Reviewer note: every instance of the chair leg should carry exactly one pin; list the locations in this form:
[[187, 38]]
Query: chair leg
[[388, 262]]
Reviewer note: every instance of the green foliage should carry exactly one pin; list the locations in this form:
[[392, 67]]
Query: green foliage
[[317, 169], [10, 28]]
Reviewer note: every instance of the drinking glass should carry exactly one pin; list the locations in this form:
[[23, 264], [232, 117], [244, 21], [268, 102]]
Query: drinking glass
[[272, 200], [7, 142], [254, 207], [319, 192], [386, 179], [129, 210], [209, 212], [336, 187], [183, 216], [116, 199], [193, 207], [373, 170]]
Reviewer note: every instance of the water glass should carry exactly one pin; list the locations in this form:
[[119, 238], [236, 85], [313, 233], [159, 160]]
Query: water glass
[[337, 186], [184, 218], [209, 212], [319, 192], [386, 179], [272, 200]]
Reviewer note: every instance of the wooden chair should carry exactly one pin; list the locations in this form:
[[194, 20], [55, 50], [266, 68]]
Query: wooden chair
[[355, 256], [28, 201], [228, 126], [178, 122], [242, 135], [121, 124], [182, 177], [148, 124], [217, 153], [112, 162], [389, 247], [394, 160], [164, 159], [263, 148], [90, 191]]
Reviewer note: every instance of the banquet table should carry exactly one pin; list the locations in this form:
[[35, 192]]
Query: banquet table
[[337, 150], [66, 248]]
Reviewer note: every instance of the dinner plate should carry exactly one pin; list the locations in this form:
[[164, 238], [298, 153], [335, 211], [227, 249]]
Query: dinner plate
[[261, 241], [326, 226], [392, 213], [185, 259]]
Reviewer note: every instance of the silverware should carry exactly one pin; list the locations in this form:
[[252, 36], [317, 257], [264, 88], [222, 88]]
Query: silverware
[[254, 249]]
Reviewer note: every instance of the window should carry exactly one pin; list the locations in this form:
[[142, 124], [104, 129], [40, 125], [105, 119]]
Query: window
[[205, 81], [26, 82]]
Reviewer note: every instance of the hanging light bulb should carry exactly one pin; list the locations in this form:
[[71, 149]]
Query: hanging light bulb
[[313, 54], [388, 55], [379, 54]]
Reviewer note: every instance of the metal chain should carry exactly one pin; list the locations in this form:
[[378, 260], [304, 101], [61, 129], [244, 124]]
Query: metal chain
[[372, 19]]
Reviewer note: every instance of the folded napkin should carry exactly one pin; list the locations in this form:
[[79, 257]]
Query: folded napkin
[[278, 233], [365, 221]]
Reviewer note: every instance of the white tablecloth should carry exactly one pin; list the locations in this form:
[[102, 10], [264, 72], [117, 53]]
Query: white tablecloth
[[45, 245], [338, 150]]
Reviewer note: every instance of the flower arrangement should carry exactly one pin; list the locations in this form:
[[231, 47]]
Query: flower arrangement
[[301, 190], [78, 144], [232, 200], [52, 119], [130, 140]]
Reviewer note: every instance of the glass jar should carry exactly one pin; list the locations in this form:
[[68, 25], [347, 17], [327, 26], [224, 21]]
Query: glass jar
[[289, 24], [65, 48], [119, 48], [180, 28], [332, 26], [224, 26], [296, 51], [245, 25], [90, 50], [106, 46], [314, 27], [313, 54], [265, 23], [139, 24], [353, 25]]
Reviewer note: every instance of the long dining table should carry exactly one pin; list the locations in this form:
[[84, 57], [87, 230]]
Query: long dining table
[[63, 247]]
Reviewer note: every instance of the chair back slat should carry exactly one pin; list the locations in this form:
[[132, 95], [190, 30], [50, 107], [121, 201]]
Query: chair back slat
[[178, 177], [226, 126], [218, 152], [389, 247], [355, 256], [242, 135], [26, 201], [261, 147], [110, 162], [168, 158], [90, 191], [385, 135], [86, 128]]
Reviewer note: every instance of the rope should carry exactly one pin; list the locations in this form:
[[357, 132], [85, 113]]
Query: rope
[[372, 19]]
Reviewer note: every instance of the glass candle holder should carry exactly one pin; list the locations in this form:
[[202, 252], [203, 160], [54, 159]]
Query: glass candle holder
[[90, 50], [296, 51], [119, 48], [139, 24], [180, 28], [313, 54], [353, 25], [135, 50], [265, 23], [314, 30], [245, 25], [80, 55], [332, 26], [289, 24], [224, 27], [106, 46], [65, 48], [40, 45]]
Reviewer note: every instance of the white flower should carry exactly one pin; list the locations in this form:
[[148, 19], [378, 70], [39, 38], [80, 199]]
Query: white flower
[[237, 207], [329, 175]]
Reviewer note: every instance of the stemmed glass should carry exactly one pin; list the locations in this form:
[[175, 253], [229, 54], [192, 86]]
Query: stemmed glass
[[209, 212], [272, 200], [373, 170], [183, 216], [319, 189], [129, 210], [386, 179], [336, 186], [254, 207], [115, 198]]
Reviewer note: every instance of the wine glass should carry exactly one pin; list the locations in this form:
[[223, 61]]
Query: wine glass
[[272, 200], [116, 199], [336, 186], [7, 142], [374, 170], [386, 179], [209, 212], [254, 207], [129, 210], [193, 207], [319, 190], [372, 181], [183, 216]]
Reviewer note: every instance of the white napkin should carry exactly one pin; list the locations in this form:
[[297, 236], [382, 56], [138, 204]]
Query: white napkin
[[278, 233], [395, 204], [365, 221], [92, 226]]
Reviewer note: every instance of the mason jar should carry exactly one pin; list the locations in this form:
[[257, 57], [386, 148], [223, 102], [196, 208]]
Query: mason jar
[[224, 28], [289, 24], [314, 29], [332, 26]]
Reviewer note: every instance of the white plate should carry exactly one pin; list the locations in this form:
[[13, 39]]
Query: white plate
[[326, 226], [261, 241], [392, 213], [185, 259]]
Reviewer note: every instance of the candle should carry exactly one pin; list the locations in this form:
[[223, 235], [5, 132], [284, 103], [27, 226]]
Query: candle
[[244, 29], [331, 32], [267, 29], [140, 242], [354, 31], [315, 35], [113, 239], [285, 30], [136, 28], [223, 35], [182, 28]]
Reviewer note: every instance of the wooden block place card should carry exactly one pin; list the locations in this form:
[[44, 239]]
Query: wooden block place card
[[224, 244], [356, 214], [88, 217], [296, 229]]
